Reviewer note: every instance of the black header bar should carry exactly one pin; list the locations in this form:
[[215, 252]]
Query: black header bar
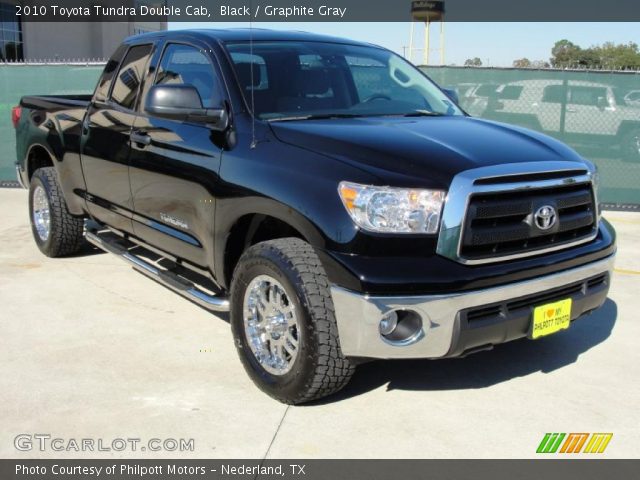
[[326, 10]]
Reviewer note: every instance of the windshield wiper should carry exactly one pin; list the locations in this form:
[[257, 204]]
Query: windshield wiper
[[320, 116], [325, 116], [423, 113]]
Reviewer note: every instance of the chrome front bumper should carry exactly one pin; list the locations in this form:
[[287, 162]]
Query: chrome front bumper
[[358, 316]]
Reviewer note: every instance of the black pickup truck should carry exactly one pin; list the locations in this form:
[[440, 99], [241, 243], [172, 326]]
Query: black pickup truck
[[326, 192]]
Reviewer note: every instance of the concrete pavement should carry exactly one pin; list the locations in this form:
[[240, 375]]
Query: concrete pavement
[[92, 349]]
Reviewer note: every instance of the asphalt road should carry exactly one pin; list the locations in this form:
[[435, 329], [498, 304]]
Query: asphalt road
[[92, 349]]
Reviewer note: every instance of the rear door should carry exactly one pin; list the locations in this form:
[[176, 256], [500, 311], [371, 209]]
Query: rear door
[[106, 137], [175, 164], [549, 110]]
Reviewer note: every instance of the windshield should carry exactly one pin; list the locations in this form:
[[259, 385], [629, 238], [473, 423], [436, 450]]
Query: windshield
[[299, 80]]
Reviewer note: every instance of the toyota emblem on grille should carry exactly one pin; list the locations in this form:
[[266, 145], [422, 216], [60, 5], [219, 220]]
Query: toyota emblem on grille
[[545, 217]]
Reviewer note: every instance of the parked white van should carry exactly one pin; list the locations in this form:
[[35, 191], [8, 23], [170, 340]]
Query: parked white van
[[582, 112]]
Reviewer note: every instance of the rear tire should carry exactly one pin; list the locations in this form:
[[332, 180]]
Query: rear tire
[[287, 276], [56, 232]]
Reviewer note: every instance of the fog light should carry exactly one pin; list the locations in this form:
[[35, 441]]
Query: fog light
[[389, 323], [401, 327]]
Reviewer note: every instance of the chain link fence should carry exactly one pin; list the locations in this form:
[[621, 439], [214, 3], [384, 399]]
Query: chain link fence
[[595, 112], [37, 78]]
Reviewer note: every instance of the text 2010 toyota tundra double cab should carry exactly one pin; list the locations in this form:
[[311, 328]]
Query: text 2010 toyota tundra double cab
[[326, 192]]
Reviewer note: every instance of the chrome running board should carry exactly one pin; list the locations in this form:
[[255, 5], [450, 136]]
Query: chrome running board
[[110, 243]]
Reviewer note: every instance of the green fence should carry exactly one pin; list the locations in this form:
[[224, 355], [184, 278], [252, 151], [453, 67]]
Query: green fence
[[595, 112], [17, 80]]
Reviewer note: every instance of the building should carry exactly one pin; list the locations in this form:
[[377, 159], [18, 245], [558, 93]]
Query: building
[[53, 41]]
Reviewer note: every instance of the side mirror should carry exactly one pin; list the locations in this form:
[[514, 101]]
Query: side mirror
[[182, 102], [602, 103], [452, 94]]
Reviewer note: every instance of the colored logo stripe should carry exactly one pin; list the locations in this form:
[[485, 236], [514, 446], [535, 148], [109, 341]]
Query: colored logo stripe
[[550, 443], [574, 442], [598, 442]]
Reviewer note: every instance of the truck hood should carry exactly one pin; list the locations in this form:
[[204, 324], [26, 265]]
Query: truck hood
[[424, 151]]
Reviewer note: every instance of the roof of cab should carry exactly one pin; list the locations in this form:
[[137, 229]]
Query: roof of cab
[[247, 34]]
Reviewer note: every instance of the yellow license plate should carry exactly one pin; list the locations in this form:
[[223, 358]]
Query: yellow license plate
[[551, 318]]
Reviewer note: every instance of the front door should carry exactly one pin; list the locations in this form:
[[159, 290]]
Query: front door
[[175, 165], [590, 112]]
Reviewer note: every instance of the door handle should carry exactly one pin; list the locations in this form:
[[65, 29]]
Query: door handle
[[140, 137]]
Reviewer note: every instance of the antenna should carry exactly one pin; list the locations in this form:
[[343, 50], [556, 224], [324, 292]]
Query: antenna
[[253, 103]]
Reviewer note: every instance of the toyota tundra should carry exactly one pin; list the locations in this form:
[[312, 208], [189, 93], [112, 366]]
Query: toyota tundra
[[330, 196]]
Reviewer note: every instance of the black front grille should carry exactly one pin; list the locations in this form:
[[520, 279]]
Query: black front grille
[[502, 223]]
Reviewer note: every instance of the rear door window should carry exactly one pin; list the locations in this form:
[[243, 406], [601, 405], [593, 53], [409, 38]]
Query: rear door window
[[127, 84], [110, 69], [486, 90], [509, 92], [553, 93]]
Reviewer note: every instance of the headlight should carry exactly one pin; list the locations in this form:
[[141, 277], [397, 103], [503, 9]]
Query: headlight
[[392, 210]]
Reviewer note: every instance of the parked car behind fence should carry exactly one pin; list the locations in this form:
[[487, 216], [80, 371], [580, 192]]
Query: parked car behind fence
[[595, 112]]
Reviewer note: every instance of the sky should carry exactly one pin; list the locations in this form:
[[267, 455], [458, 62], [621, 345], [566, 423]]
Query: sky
[[496, 44]]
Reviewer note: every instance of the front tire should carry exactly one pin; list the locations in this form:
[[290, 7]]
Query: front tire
[[283, 322], [56, 232]]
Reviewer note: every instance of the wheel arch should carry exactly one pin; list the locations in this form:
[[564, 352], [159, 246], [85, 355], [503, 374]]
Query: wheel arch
[[38, 156], [259, 225]]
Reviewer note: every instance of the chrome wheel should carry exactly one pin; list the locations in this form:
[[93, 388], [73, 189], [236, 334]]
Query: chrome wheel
[[271, 325], [41, 213]]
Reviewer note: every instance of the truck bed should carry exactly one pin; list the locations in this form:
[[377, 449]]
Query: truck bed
[[52, 125], [54, 102]]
